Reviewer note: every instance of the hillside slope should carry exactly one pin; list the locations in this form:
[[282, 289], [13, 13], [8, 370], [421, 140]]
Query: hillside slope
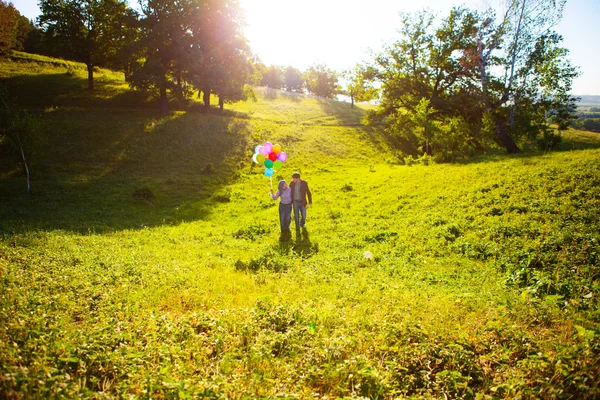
[[472, 280]]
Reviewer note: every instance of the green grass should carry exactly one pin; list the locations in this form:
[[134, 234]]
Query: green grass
[[483, 280]]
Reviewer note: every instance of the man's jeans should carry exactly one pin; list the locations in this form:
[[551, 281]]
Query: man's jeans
[[299, 214], [285, 216]]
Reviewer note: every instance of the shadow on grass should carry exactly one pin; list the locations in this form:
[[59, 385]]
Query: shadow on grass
[[66, 90], [576, 141], [348, 116], [104, 170], [301, 246], [274, 94]]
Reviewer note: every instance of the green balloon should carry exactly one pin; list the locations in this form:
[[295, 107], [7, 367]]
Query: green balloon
[[277, 164], [261, 159], [268, 163]]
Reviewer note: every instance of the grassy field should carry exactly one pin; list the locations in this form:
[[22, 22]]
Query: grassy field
[[476, 280]]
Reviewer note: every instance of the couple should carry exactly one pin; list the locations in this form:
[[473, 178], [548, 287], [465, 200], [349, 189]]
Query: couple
[[293, 195]]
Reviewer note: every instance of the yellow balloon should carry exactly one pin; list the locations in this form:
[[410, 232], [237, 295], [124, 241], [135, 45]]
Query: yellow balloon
[[276, 149], [261, 159]]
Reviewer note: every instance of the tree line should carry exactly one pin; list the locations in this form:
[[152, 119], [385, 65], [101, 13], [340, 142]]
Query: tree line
[[175, 48], [448, 87]]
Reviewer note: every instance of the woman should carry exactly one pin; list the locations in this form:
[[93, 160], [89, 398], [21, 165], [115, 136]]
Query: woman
[[285, 204]]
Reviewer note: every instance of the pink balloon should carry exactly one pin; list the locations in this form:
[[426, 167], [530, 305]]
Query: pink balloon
[[263, 151], [282, 157], [269, 147]]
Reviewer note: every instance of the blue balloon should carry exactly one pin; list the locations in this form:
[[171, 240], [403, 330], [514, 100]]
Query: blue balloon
[[257, 148], [269, 172]]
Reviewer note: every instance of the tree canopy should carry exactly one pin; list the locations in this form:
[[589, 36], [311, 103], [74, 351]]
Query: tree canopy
[[476, 78], [321, 81], [14, 28], [88, 31]]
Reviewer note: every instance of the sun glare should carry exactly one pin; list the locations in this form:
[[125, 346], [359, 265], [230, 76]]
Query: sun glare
[[308, 32]]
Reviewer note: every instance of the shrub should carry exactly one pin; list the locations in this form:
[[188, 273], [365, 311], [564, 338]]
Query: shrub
[[144, 193], [251, 232], [548, 141], [347, 188]]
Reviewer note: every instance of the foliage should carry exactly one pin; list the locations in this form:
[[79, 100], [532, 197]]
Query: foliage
[[89, 31], [19, 129], [272, 77], [358, 84], [292, 80], [321, 81], [14, 28], [193, 45], [505, 82]]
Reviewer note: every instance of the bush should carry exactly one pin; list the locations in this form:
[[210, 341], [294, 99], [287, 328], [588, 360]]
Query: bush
[[144, 193], [548, 141]]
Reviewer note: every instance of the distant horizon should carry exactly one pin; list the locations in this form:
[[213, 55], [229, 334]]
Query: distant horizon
[[334, 35]]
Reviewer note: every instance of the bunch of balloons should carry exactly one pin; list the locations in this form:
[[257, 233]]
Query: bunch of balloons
[[269, 156]]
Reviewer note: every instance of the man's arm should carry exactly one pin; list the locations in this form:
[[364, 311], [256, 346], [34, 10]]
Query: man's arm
[[309, 194]]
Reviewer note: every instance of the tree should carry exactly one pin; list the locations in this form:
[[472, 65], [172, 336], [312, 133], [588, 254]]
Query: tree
[[224, 66], [477, 74], [88, 31], [272, 77], [165, 36], [425, 65], [292, 80], [232, 74], [501, 54], [9, 20], [321, 81], [359, 84], [19, 128]]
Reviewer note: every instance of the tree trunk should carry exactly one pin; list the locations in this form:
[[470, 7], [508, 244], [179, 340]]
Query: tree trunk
[[206, 98], [90, 69], [164, 104], [26, 170], [221, 103], [505, 139], [179, 84]]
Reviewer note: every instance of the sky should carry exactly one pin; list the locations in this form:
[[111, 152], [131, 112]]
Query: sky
[[341, 33]]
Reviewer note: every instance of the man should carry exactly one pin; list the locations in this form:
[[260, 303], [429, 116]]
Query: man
[[299, 192]]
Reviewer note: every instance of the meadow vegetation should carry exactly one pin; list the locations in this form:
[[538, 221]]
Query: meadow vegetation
[[147, 262]]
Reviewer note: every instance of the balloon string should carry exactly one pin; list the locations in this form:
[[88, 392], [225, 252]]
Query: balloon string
[[271, 179]]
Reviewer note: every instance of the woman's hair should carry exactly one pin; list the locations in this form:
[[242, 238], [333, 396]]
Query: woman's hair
[[281, 183]]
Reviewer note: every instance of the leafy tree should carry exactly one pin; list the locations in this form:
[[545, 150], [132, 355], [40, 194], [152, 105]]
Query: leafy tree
[[88, 31], [233, 73], [165, 31], [479, 74], [20, 129], [258, 69], [359, 84], [321, 81], [425, 65], [272, 77], [292, 80], [502, 53], [223, 65], [9, 21]]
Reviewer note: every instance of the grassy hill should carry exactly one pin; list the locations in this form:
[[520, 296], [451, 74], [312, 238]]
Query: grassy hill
[[472, 280]]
